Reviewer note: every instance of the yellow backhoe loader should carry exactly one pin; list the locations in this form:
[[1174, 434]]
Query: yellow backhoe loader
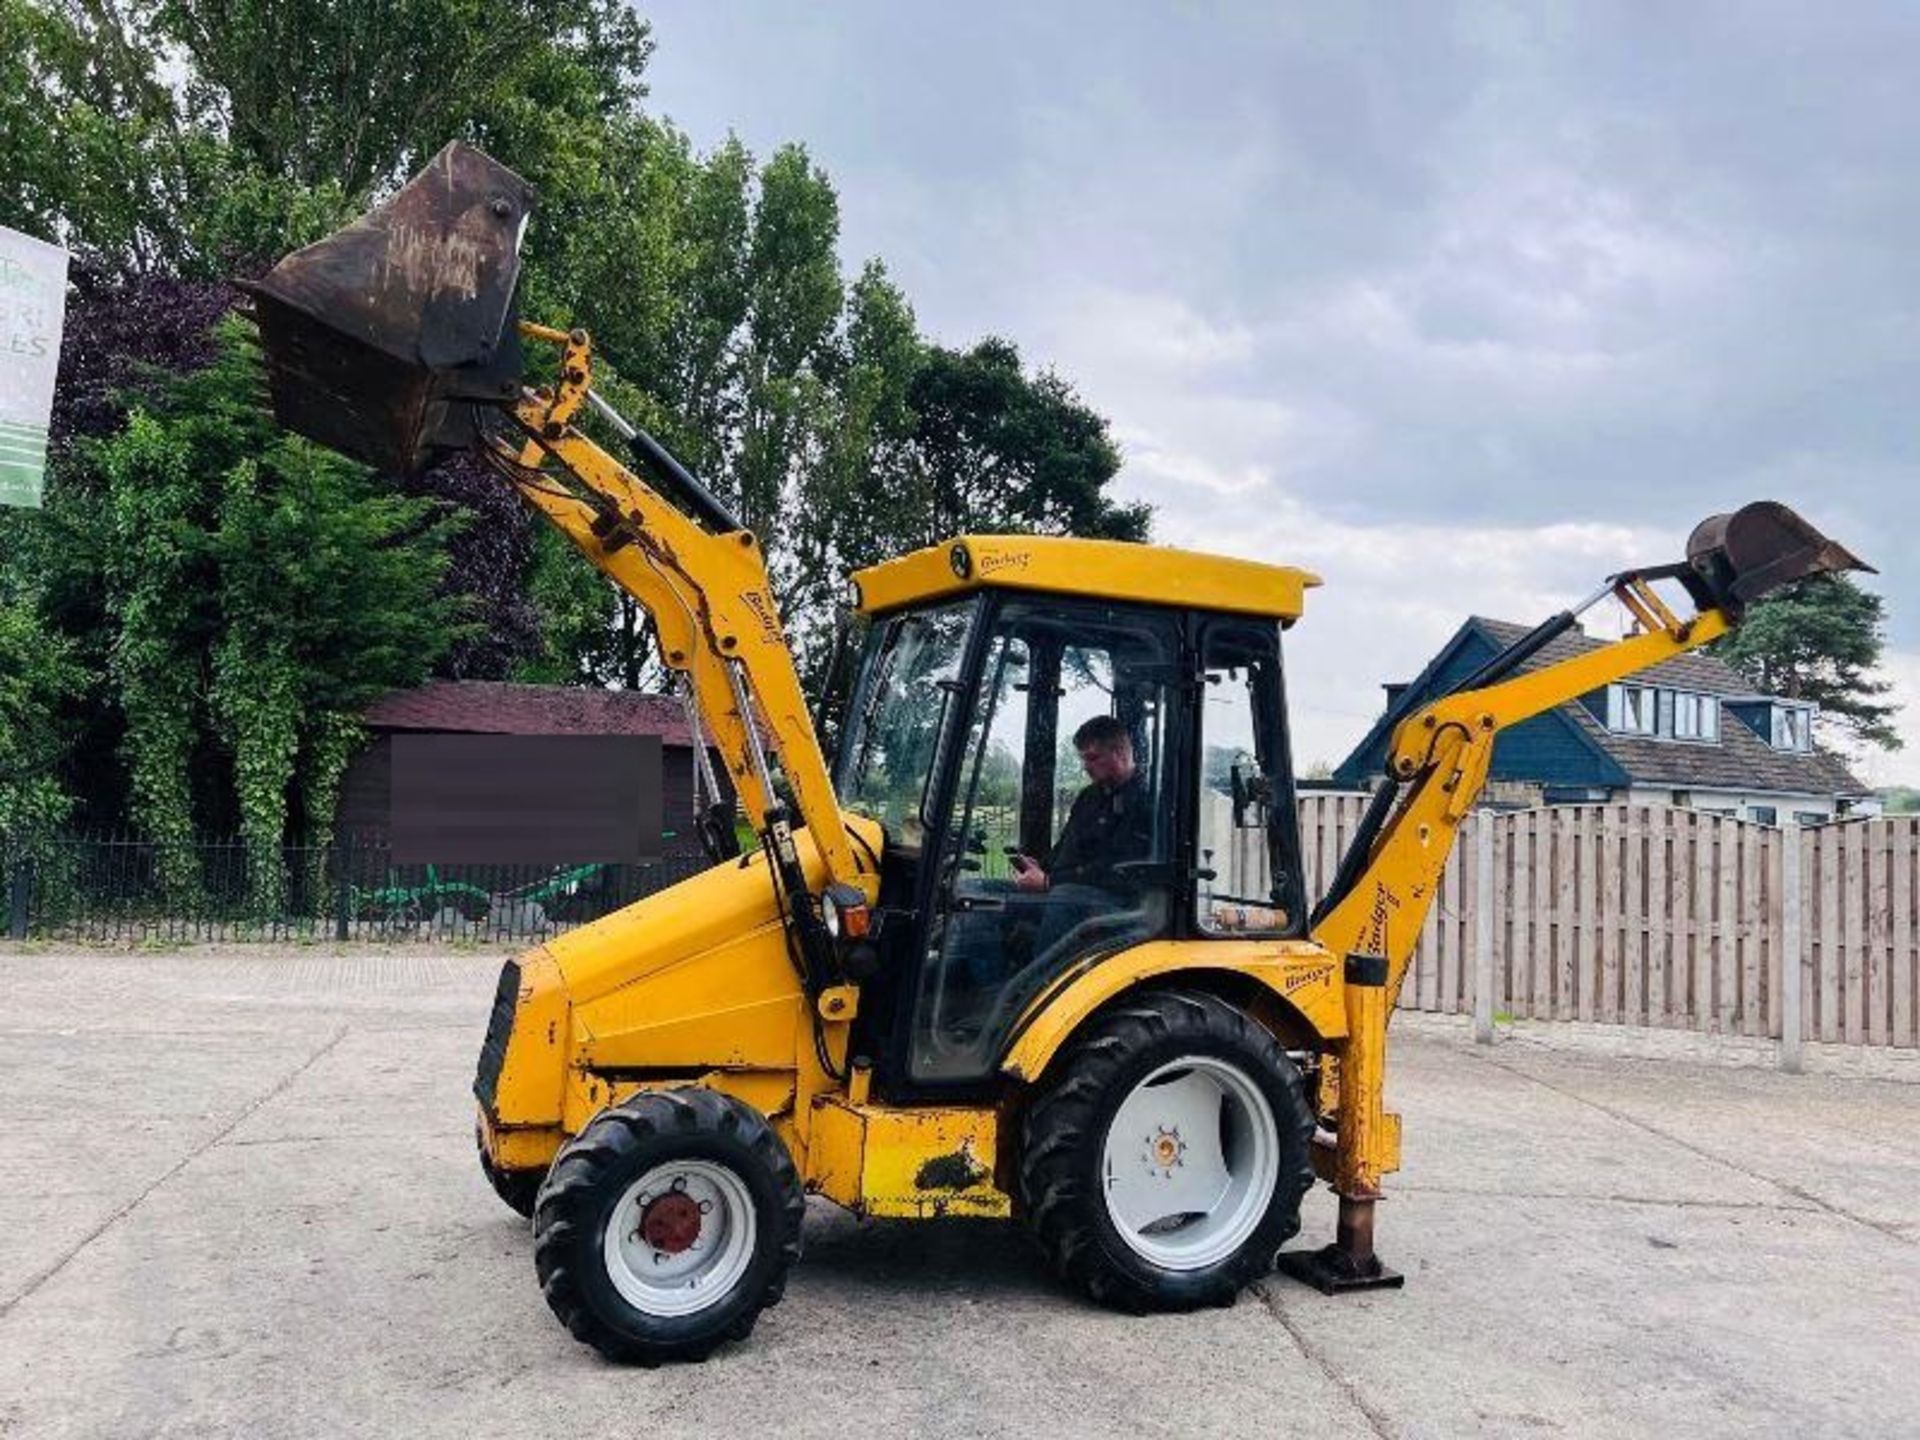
[[956, 977]]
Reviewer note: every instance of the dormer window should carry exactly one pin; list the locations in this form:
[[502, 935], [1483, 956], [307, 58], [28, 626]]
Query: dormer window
[[1662, 713], [1632, 710], [1695, 717], [1792, 727]]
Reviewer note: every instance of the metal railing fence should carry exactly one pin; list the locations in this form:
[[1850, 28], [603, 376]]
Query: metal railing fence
[[112, 889]]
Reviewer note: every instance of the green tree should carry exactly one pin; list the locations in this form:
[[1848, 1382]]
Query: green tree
[[38, 678], [359, 92], [921, 443], [1820, 640], [261, 593], [275, 122], [995, 448], [189, 138], [793, 304]]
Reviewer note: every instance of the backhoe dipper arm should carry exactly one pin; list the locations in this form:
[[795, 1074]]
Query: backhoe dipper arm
[[1437, 763], [709, 597], [1440, 755]]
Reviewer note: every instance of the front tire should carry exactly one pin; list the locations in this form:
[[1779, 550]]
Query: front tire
[[667, 1225], [1164, 1170]]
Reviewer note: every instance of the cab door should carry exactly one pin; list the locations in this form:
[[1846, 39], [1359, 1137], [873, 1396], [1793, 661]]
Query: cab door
[[1045, 668]]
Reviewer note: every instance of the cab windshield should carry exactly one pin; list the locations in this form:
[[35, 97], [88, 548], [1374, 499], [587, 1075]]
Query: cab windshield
[[909, 678]]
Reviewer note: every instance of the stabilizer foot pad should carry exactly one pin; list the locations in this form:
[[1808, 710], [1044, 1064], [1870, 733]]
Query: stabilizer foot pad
[[1333, 1271]]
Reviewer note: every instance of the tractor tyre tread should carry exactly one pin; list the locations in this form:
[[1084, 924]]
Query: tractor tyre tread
[[588, 1176], [1063, 1138]]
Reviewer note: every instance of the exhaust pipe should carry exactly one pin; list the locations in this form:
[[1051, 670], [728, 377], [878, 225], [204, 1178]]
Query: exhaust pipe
[[387, 339], [1736, 559]]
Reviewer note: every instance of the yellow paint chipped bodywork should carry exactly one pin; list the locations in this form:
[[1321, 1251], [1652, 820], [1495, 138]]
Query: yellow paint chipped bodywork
[[694, 981], [916, 1164], [1325, 1154], [1099, 569], [768, 1091], [525, 1148], [1298, 973]]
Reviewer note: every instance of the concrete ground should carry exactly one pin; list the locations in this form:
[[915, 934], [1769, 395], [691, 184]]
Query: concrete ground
[[237, 1196]]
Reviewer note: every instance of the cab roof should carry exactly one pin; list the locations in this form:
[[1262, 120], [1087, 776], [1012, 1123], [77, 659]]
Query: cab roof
[[1096, 569]]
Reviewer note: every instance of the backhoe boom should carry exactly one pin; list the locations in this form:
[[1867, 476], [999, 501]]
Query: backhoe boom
[[1437, 763]]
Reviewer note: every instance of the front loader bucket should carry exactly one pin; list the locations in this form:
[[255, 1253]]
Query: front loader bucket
[[383, 338], [1758, 548]]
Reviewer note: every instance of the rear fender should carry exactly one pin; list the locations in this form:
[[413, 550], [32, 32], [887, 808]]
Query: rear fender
[[1298, 987]]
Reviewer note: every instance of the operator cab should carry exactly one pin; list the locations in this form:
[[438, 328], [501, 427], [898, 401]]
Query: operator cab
[[1074, 747]]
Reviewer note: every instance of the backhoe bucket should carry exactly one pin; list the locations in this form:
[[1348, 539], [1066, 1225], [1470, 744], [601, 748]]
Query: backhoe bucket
[[1758, 548], [384, 339]]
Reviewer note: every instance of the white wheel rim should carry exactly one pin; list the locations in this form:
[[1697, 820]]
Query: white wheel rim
[[655, 1264], [1191, 1160]]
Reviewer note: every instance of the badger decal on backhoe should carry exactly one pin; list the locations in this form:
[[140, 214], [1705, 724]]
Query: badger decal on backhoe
[[954, 978]]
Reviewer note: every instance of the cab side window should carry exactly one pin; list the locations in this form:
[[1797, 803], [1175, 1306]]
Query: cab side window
[[1248, 833]]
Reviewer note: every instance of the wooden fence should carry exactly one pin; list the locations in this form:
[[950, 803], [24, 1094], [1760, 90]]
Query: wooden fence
[[1648, 915]]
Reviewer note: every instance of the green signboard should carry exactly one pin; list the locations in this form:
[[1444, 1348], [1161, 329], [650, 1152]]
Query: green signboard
[[33, 300]]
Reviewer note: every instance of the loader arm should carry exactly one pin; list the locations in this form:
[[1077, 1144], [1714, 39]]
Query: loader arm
[[708, 594], [394, 342]]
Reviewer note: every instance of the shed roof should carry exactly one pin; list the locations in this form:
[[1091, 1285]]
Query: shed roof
[[493, 707]]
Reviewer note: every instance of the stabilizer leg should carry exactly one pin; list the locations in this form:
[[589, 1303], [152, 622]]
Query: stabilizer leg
[[1368, 1144], [1347, 1264]]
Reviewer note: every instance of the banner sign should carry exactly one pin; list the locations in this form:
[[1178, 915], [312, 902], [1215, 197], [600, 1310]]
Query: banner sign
[[33, 302]]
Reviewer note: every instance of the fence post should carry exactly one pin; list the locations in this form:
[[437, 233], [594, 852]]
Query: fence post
[[1483, 929], [343, 900], [1792, 949], [21, 896]]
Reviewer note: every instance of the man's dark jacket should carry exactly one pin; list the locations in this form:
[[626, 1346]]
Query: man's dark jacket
[[1103, 829]]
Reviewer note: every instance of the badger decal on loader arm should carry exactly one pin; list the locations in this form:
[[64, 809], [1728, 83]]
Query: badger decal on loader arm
[[953, 978]]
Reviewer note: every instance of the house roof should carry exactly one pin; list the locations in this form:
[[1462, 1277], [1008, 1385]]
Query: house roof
[[491, 707], [1740, 760]]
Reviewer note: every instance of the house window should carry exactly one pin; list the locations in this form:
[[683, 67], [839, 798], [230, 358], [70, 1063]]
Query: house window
[[1695, 717], [1631, 709], [1810, 817], [1763, 814], [1792, 728]]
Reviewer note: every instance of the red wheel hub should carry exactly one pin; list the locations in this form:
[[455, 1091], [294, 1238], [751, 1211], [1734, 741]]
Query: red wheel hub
[[671, 1223]]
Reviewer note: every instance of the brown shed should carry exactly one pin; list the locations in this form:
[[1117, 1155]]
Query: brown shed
[[488, 707]]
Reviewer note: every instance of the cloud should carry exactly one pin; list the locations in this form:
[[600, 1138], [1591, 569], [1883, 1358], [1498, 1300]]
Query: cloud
[[1901, 669], [1463, 308]]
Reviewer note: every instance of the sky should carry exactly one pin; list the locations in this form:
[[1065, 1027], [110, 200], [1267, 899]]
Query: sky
[[1462, 307]]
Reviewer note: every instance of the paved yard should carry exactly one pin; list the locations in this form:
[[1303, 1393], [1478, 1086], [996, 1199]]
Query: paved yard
[[237, 1196]]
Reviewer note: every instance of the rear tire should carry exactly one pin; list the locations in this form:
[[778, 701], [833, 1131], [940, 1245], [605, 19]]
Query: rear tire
[[667, 1225], [1165, 1168]]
